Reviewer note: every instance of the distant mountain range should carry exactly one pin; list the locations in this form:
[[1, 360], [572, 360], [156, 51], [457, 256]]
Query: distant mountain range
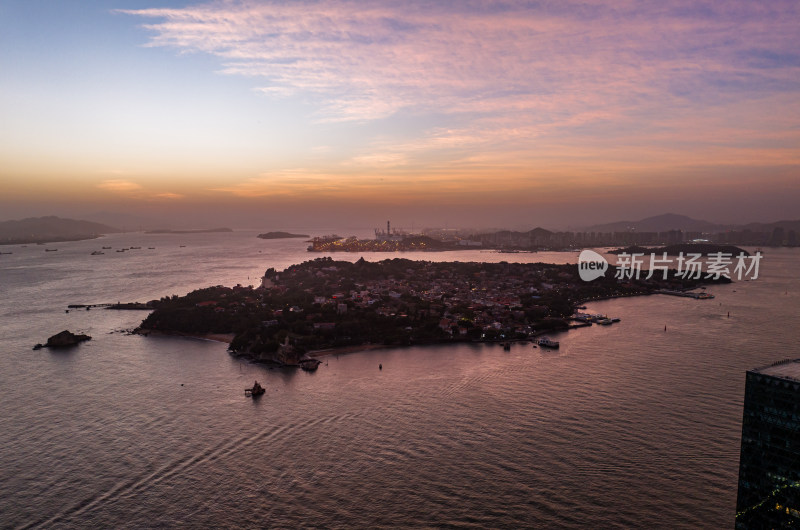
[[51, 228], [769, 227], [671, 221], [46, 229], [659, 223]]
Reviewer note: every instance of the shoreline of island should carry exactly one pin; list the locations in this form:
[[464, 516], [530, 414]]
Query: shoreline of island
[[44, 240], [323, 307], [227, 338]]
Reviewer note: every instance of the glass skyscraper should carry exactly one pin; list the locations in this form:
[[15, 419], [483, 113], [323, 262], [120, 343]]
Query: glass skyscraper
[[769, 465]]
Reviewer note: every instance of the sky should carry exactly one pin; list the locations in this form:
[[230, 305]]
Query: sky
[[465, 113]]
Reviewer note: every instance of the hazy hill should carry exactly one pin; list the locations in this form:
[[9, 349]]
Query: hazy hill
[[769, 227], [660, 223], [537, 236], [43, 229], [127, 222], [539, 232]]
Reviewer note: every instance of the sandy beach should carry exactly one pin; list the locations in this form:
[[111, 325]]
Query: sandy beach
[[346, 349], [227, 338]]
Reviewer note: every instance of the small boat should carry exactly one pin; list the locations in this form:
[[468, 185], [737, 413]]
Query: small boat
[[51, 250], [136, 248], [122, 250], [151, 248], [546, 342], [257, 390], [309, 365], [106, 248], [605, 321], [615, 319], [97, 253]]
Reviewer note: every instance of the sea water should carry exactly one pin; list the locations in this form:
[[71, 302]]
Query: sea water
[[626, 425]]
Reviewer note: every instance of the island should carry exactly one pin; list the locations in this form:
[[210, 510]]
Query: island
[[404, 243], [538, 239], [323, 305], [64, 339], [50, 229], [683, 248], [281, 235]]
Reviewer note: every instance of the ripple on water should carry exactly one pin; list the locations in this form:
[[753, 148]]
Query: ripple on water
[[625, 426]]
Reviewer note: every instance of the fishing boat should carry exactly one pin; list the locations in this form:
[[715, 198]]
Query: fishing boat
[[257, 390], [309, 365], [546, 342]]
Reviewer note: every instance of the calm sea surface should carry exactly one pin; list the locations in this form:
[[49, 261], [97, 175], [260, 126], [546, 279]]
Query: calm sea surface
[[624, 426]]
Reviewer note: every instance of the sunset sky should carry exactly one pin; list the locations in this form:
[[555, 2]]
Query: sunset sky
[[495, 113]]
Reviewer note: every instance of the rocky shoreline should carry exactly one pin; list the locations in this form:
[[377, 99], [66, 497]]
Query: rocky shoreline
[[64, 339], [324, 306]]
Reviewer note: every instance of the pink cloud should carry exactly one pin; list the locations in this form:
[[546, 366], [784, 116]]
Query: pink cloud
[[119, 186], [581, 80]]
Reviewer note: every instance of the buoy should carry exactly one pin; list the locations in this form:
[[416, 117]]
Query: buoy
[[380, 367], [665, 327], [729, 314]]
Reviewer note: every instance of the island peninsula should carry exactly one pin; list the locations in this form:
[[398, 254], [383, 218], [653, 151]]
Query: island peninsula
[[322, 304], [281, 235]]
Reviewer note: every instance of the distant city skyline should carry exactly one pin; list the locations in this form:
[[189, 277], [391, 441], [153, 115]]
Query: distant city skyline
[[462, 113]]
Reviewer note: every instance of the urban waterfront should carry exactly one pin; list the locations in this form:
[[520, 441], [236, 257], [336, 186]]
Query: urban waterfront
[[625, 425]]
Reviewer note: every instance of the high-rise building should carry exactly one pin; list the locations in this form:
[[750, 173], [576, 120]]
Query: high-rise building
[[769, 464]]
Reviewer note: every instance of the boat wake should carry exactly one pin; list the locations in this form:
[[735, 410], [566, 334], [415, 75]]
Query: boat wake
[[140, 484]]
